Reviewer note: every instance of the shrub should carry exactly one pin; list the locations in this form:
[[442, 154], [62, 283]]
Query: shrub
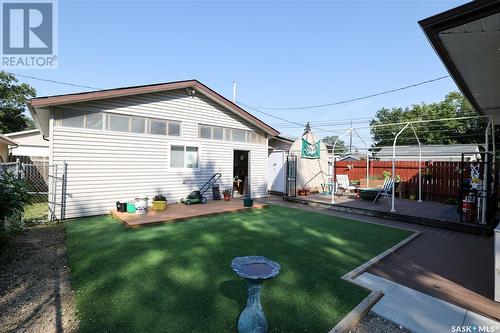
[[13, 197]]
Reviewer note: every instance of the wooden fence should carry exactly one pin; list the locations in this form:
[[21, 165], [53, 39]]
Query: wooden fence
[[440, 180]]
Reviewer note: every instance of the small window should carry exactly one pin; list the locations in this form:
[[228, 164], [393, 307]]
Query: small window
[[177, 156], [205, 132], [93, 120], [118, 123], [158, 127], [192, 157], [238, 135], [228, 134], [73, 119], [218, 133], [137, 125], [174, 128]]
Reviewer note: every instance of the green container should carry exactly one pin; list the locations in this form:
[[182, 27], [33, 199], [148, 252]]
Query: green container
[[247, 202], [130, 207]]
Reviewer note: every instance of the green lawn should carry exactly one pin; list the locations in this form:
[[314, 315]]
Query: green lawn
[[177, 277], [36, 211]]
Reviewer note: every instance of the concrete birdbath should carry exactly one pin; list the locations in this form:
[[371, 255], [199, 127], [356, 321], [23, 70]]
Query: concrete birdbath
[[255, 270]]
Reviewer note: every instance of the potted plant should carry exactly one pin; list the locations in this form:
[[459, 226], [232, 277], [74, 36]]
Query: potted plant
[[159, 202], [247, 202], [227, 194]]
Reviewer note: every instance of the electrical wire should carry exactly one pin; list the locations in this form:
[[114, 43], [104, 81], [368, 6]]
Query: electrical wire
[[54, 81], [348, 100]]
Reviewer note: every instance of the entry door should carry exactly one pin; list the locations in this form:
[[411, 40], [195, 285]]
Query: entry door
[[276, 175]]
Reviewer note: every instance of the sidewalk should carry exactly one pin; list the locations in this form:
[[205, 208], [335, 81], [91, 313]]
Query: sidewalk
[[422, 313]]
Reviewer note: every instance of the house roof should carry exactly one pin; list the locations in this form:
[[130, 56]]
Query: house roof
[[428, 150], [6, 140], [466, 39], [14, 134], [41, 104]]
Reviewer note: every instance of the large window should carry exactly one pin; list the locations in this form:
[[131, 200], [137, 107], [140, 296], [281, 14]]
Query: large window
[[229, 134], [184, 157], [119, 123], [82, 119]]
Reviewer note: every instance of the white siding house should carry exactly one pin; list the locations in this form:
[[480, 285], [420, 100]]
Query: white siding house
[[134, 142], [29, 143]]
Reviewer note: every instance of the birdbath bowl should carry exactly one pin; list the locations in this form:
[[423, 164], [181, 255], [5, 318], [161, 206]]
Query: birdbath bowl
[[255, 270]]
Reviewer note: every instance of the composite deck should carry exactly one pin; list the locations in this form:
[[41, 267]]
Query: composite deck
[[179, 212], [426, 212], [453, 266]]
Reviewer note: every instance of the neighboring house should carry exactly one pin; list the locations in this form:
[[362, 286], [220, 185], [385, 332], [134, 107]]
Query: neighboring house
[[446, 153], [466, 39], [5, 142], [29, 143], [350, 157], [168, 138]]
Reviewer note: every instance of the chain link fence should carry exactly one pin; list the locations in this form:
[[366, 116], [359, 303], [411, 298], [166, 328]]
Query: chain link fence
[[43, 183]]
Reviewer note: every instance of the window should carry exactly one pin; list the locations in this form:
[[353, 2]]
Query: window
[[205, 132], [73, 119], [184, 157], [174, 128], [93, 120], [192, 157], [118, 123], [177, 156], [137, 125], [218, 133], [238, 135], [158, 127], [228, 134]]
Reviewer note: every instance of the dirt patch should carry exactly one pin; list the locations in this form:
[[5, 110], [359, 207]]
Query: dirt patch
[[35, 295], [371, 323]]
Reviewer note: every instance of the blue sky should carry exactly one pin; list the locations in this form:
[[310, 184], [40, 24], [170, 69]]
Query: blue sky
[[280, 53]]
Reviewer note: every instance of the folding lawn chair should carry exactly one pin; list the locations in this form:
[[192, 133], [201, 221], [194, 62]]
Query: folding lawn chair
[[386, 190], [343, 183]]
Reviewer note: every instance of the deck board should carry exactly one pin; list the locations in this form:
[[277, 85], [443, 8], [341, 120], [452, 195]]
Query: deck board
[[179, 212]]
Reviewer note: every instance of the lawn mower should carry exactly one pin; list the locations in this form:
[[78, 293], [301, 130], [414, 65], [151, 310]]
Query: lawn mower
[[198, 196]]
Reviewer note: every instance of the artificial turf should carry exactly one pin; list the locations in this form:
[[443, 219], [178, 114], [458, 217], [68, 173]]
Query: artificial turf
[[177, 277]]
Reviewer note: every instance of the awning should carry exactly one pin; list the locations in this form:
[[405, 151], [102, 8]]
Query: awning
[[467, 39]]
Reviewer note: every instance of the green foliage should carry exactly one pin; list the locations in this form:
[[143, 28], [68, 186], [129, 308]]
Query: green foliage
[[449, 132], [12, 108], [13, 198], [340, 147], [388, 174]]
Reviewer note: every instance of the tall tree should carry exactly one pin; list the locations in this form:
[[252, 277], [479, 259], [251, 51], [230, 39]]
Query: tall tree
[[340, 147], [12, 108], [454, 105]]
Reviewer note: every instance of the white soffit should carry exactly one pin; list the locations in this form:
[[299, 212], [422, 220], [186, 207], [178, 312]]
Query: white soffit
[[475, 50]]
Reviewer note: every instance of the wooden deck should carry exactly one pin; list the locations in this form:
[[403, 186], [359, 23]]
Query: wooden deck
[[179, 212], [453, 266], [425, 212]]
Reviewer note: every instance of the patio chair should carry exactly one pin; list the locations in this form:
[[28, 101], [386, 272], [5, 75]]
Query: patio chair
[[343, 183], [386, 190]]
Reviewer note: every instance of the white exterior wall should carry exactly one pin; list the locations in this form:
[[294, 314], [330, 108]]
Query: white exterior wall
[[29, 143], [105, 167]]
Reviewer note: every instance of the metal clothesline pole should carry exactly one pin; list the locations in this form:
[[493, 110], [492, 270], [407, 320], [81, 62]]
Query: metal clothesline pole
[[419, 165], [334, 188]]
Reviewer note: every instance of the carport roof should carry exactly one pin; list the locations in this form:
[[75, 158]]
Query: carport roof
[[467, 39]]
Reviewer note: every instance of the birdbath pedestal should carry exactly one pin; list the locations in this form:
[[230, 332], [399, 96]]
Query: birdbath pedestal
[[255, 270]]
